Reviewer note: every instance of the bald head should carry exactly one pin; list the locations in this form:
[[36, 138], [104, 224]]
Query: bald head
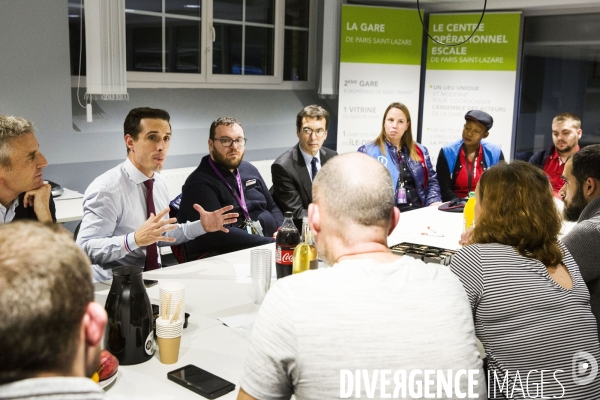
[[355, 188]]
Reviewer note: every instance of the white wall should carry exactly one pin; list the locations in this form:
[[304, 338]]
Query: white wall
[[35, 83]]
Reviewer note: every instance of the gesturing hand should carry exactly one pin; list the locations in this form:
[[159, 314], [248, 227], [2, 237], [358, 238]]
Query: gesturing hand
[[214, 221], [39, 199], [151, 231]]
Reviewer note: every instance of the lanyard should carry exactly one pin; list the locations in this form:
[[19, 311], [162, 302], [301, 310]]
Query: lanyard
[[240, 199], [399, 165], [470, 173]]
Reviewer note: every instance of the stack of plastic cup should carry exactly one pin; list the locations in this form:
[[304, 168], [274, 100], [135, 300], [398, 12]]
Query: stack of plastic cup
[[177, 292], [169, 339], [260, 272]]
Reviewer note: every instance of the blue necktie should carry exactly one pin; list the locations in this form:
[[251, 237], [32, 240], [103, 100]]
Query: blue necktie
[[313, 167]]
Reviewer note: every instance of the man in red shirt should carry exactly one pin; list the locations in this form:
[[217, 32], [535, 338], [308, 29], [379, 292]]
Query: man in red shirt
[[566, 132]]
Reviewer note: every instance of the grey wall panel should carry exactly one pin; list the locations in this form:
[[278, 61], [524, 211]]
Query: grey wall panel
[[35, 83]]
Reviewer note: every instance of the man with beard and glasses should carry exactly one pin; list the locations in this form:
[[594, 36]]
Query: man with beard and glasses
[[566, 132], [51, 327], [222, 178], [581, 195]]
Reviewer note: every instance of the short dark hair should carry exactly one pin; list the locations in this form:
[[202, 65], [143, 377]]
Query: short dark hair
[[221, 121], [45, 288], [312, 111], [567, 116], [586, 163], [131, 126]]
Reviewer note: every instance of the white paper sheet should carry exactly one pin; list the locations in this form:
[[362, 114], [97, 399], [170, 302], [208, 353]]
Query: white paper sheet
[[235, 321], [68, 194]]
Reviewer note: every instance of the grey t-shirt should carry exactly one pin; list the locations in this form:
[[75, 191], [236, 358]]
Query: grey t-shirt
[[361, 315]]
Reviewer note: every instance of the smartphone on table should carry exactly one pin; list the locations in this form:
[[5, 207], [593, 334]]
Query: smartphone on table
[[200, 381], [149, 283]]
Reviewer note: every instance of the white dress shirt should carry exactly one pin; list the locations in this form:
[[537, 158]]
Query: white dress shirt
[[8, 214], [114, 207], [308, 159]]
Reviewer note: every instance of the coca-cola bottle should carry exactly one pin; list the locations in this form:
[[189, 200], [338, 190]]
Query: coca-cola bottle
[[287, 239]]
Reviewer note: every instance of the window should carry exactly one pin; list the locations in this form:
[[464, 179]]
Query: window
[[560, 73], [214, 43], [295, 61]]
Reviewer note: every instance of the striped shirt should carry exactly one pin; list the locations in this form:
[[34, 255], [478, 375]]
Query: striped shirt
[[528, 323]]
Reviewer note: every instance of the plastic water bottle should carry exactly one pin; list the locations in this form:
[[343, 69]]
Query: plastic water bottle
[[305, 253], [469, 212]]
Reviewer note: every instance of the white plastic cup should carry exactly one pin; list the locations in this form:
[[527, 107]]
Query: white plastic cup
[[177, 292], [260, 272]]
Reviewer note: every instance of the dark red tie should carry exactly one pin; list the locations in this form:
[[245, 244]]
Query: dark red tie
[[152, 249]]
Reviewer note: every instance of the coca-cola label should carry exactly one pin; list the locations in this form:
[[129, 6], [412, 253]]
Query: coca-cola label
[[284, 256]]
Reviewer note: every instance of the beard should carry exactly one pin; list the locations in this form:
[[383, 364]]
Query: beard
[[574, 207], [565, 150], [226, 162]]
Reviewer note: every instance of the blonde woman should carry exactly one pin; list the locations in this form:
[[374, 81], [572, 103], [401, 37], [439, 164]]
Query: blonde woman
[[415, 180]]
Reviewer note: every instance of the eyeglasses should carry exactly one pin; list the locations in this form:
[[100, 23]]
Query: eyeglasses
[[318, 132], [227, 142]]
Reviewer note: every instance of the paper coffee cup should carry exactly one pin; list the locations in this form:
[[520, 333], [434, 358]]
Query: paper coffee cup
[[168, 339], [168, 349]]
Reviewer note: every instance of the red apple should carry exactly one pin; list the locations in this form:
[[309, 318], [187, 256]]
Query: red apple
[[108, 365]]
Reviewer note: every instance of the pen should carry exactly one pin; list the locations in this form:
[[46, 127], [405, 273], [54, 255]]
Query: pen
[[431, 232]]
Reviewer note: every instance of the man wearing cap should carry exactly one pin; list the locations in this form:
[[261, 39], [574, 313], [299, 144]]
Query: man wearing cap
[[566, 132], [460, 164]]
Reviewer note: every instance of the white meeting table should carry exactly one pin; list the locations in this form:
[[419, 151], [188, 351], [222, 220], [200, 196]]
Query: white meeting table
[[212, 292]]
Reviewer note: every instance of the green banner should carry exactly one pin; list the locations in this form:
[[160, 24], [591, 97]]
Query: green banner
[[376, 35], [494, 47]]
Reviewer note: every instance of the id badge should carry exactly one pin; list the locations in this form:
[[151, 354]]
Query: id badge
[[253, 227], [248, 226], [401, 195], [257, 228]]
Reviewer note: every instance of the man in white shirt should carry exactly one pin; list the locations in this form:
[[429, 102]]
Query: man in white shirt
[[122, 224], [23, 194], [374, 325]]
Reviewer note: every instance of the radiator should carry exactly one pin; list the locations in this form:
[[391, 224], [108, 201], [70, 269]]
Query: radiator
[[175, 179]]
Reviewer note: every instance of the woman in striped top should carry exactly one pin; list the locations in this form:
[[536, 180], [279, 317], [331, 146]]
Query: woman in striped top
[[530, 304]]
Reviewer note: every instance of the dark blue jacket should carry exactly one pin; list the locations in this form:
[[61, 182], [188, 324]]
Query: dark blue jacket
[[448, 168], [539, 158], [428, 192], [204, 187]]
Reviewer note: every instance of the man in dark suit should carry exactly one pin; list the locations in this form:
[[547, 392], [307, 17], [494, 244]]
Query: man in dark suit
[[294, 170], [23, 194]]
